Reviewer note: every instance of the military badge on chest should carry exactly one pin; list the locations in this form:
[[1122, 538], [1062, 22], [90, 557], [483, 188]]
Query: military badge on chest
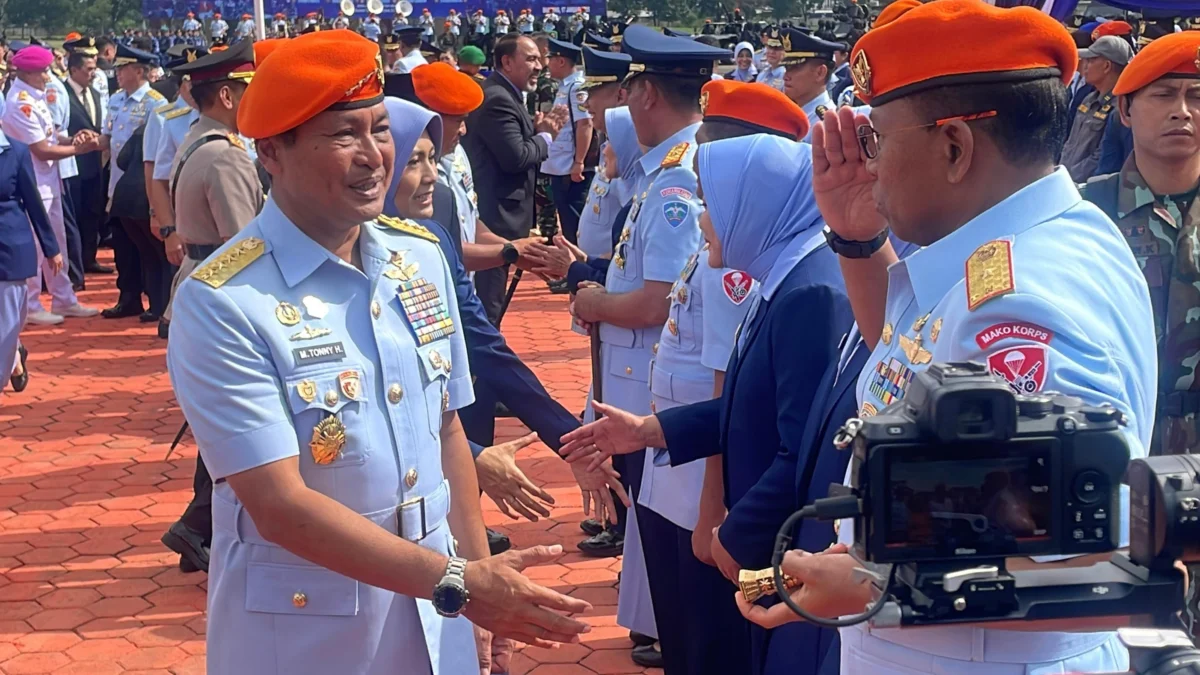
[[889, 380], [426, 310], [736, 286]]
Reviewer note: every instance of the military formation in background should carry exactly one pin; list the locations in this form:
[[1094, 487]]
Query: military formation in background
[[700, 197]]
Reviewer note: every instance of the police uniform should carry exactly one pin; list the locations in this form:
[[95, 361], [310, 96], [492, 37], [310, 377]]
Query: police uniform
[[28, 119], [653, 246], [604, 198], [568, 195], [799, 47]]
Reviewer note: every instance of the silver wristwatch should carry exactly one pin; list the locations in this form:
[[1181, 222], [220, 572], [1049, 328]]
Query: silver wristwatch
[[450, 595]]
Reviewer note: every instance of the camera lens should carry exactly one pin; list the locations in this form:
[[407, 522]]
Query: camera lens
[[1090, 486]]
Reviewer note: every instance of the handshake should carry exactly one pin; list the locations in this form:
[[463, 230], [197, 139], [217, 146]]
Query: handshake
[[85, 141]]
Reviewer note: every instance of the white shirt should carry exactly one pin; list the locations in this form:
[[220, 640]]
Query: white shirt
[[409, 62], [27, 118], [562, 150]]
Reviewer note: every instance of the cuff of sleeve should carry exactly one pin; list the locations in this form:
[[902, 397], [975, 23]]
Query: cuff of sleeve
[[250, 450], [662, 457], [476, 449], [545, 136], [462, 394], [661, 270]]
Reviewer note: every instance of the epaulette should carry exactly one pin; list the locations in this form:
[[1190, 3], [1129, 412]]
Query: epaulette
[[162, 109], [989, 273], [235, 141], [408, 227], [675, 155], [176, 113], [155, 95], [22, 95], [225, 266]]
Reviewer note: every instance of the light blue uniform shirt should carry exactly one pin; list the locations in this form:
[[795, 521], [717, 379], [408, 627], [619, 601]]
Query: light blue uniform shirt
[[100, 84], [60, 110], [353, 349], [604, 200], [772, 77], [707, 305], [1078, 321], [154, 131], [822, 101], [371, 30], [170, 136], [126, 113], [561, 153]]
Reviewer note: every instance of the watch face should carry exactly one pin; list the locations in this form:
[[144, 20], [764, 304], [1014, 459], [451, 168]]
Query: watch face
[[449, 599]]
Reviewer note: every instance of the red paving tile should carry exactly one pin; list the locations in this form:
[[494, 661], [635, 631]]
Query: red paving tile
[[86, 489]]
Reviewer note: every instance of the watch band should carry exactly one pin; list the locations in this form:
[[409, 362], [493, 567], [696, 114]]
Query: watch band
[[456, 567], [848, 248]]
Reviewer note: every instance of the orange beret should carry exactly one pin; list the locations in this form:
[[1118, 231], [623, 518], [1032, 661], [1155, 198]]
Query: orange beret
[[332, 69], [264, 48], [1175, 54], [760, 106], [1112, 28], [72, 36], [915, 47], [446, 91]]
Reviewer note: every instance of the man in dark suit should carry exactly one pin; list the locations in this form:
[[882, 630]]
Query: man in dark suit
[[506, 146], [87, 189]]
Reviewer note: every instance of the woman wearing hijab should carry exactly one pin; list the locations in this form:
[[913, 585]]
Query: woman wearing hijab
[[743, 55], [759, 223], [412, 128]]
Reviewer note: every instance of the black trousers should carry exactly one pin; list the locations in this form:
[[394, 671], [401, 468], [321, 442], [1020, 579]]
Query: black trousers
[[130, 281], [630, 467], [198, 514], [87, 202], [569, 197], [156, 271], [490, 286], [700, 630], [74, 241]]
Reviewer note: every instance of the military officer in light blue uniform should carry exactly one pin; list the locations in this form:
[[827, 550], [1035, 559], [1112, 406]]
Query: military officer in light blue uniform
[[320, 381], [602, 75], [771, 70], [808, 61], [1021, 275], [129, 108], [170, 122], [660, 232]]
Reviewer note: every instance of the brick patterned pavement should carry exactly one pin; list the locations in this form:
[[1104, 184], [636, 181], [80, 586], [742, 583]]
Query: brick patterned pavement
[[86, 490]]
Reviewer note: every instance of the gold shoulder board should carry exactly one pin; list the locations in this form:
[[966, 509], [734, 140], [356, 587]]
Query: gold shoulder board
[[235, 141], [675, 155], [989, 273], [225, 266], [162, 109], [408, 227], [178, 112], [155, 96]]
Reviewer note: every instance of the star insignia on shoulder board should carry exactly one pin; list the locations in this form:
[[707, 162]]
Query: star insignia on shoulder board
[[408, 227], [235, 259]]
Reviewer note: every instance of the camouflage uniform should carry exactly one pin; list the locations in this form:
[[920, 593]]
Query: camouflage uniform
[[1162, 233], [541, 100]]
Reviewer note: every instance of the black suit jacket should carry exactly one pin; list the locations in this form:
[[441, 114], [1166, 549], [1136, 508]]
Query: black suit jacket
[[89, 164], [505, 152]]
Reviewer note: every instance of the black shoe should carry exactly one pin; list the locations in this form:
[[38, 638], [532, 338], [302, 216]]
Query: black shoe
[[640, 640], [78, 287], [607, 544], [97, 268], [498, 542], [122, 310], [189, 545], [647, 657], [502, 410], [164, 327], [560, 287], [591, 527], [186, 566], [149, 317], [19, 382]]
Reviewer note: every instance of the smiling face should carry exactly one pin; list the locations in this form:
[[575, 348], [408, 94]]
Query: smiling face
[[745, 59], [1163, 117], [414, 194], [338, 165]]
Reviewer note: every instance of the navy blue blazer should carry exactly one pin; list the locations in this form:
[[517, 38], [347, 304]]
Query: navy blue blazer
[[769, 388], [494, 363], [596, 269], [20, 205]]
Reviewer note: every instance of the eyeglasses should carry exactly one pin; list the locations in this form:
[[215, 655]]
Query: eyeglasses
[[868, 137]]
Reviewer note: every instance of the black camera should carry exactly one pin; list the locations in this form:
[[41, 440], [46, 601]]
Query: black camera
[[963, 469]]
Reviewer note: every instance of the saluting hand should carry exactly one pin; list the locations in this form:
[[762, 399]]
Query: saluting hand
[[841, 182], [508, 604], [508, 486], [616, 433]]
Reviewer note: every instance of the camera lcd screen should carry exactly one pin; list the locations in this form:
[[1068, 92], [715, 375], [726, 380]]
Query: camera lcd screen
[[969, 499]]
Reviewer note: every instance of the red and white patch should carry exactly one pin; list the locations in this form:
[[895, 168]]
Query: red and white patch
[[27, 111], [737, 286], [1013, 329], [1024, 367]]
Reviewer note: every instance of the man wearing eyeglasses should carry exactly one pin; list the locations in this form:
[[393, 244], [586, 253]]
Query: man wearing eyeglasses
[[1016, 271]]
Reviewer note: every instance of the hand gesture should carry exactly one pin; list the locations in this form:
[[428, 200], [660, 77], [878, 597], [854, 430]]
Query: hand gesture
[[507, 485], [56, 263], [827, 588], [483, 646], [508, 604], [553, 121], [551, 261], [598, 487], [524, 246], [586, 298], [841, 182], [616, 433]]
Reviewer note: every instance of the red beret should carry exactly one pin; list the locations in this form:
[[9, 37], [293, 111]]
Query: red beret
[[446, 91], [1175, 54], [1112, 28]]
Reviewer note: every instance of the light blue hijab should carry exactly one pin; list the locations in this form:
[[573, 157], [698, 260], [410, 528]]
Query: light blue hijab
[[758, 191], [623, 138], [408, 121]]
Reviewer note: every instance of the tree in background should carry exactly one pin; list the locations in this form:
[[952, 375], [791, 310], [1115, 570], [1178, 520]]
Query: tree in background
[[56, 17]]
